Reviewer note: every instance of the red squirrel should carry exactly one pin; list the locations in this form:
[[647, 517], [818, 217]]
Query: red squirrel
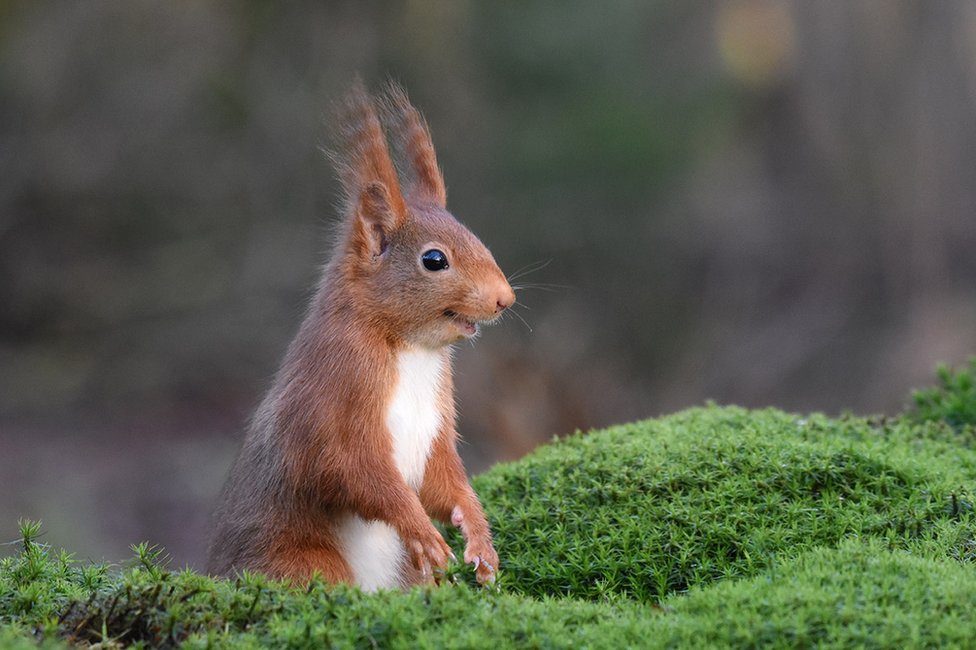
[[353, 450]]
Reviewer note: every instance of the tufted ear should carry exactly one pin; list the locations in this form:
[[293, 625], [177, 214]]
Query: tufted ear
[[374, 202], [412, 139]]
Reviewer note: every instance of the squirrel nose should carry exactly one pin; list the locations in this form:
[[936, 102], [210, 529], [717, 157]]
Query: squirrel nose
[[505, 299]]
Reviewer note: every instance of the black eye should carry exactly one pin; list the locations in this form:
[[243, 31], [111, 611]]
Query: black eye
[[434, 260]]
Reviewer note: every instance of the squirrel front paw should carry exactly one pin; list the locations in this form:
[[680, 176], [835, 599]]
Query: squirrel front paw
[[428, 552], [482, 554], [478, 549]]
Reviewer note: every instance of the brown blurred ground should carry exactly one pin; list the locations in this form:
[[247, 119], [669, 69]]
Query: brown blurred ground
[[755, 202]]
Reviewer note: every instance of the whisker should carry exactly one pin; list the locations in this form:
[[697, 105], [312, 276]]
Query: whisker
[[529, 268], [519, 316], [542, 286]]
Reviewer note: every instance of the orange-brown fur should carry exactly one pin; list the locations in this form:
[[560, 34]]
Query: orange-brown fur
[[318, 447]]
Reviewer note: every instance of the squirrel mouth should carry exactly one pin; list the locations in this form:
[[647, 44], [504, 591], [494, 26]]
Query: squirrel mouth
[[465, 325]]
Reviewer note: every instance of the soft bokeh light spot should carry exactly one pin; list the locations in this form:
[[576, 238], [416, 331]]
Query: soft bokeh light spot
[[755, 40]]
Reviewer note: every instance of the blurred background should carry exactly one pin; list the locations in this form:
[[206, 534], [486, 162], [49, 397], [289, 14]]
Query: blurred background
[[756, 202]]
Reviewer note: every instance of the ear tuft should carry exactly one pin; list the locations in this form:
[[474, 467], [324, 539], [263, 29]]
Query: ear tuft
[[361, 155], [412, 138]]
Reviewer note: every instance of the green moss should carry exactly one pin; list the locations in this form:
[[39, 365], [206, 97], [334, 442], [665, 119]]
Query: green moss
[[650, 509], [860, 595], [713, 527], [952, 400], [148, 605]]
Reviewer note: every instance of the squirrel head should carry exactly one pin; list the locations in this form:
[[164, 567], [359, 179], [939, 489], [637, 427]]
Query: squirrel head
[[412, 269]]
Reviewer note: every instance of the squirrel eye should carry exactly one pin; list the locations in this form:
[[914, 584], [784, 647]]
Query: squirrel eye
[[434, 260]]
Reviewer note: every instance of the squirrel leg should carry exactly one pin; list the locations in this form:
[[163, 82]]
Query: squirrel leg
[[298, 560], [479, 549], [447, 496]]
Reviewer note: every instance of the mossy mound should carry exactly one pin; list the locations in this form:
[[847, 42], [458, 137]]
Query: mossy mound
[[713, 527], [650, 509]]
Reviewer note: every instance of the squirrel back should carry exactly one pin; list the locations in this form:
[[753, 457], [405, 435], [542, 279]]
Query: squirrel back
[[353, 449]]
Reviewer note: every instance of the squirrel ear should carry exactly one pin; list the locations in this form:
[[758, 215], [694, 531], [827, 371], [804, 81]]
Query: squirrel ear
[[412, 138], [375, 219], [362, 159]]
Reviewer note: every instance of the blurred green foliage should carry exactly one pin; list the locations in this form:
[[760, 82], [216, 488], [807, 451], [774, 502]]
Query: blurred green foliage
[[688, 171]]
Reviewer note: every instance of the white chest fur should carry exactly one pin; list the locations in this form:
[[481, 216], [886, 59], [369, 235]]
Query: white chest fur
[[373, 549], [414, 416]]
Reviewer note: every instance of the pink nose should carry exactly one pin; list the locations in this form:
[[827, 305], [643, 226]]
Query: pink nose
[[506, 299]]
